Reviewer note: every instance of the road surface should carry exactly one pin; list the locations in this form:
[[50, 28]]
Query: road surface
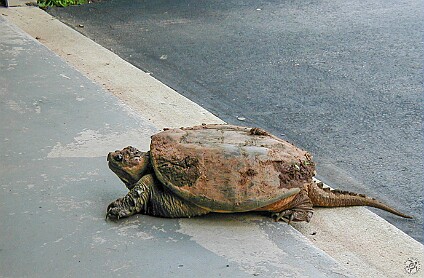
[[341, 79]]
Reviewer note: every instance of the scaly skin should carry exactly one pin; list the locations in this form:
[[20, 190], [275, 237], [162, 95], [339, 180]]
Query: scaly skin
[[148, 196], [326, 197]]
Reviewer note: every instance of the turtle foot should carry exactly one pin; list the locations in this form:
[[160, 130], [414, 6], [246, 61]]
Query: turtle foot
[[295, 215], [118, 209]]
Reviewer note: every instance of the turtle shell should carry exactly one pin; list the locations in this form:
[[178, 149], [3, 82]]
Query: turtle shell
[[228, 168]]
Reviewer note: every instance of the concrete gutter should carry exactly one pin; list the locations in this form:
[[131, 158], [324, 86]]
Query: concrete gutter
[[359, 240]]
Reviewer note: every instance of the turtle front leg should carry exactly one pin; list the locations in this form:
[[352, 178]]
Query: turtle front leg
[[134, 202]]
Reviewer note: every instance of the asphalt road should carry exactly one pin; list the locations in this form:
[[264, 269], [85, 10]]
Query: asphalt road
[[342, 79]]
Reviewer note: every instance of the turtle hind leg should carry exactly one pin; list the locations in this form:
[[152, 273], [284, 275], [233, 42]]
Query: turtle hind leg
[[295, 214], [299, 209], [134, 202]]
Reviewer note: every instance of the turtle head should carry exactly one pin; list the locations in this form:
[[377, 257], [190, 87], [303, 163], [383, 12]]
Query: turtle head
[[129, 164]]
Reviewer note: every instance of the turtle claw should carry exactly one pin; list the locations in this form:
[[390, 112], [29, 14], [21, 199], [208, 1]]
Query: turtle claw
[[117, 210], [111, 216], [290, 215], [285, 215]]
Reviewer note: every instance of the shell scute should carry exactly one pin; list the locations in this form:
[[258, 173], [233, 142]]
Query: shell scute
[[228, 168]]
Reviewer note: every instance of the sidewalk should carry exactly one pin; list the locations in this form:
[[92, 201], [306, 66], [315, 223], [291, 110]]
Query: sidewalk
[[57, 127]]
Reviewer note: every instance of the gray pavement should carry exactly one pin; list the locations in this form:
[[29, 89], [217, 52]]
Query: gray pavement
[[56, 126], [342, 79]]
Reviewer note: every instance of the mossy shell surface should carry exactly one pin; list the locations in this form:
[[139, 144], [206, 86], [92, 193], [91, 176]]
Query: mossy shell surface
[[228, 168]]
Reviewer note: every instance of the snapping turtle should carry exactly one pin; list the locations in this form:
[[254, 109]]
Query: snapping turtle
[[223, 168]]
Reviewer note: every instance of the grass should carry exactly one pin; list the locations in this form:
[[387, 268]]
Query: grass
[[60, 3]]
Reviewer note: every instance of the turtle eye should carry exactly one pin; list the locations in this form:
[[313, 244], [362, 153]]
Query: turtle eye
[[118, 157]]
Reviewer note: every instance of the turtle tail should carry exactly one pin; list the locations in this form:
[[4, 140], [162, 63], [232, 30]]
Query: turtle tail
[[326, 197]]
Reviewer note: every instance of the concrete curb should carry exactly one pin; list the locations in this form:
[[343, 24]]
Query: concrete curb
[[358, 239], [146, 95]]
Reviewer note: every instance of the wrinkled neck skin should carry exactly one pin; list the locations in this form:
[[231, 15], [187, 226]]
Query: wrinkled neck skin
[[135, 178]]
